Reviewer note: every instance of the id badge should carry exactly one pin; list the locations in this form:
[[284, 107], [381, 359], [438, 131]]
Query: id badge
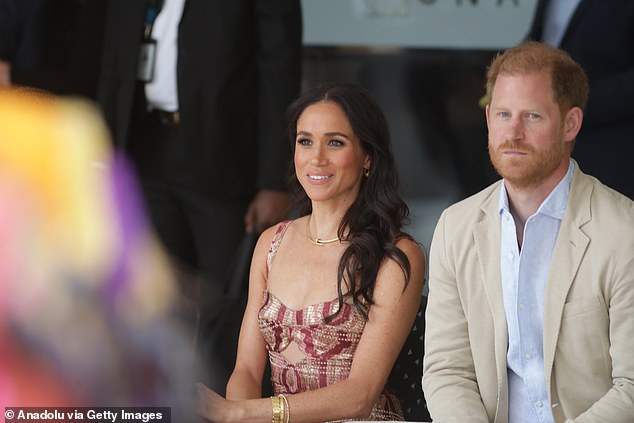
[[145, 71]]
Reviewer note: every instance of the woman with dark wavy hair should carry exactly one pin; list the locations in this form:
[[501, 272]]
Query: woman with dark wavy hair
[[332, 294]]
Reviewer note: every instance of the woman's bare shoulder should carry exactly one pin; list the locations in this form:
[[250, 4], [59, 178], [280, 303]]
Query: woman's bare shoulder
[[267, 238], [412, 248], [391, 272]]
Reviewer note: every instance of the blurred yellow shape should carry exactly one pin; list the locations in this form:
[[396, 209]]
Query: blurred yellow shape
[[52, 149]]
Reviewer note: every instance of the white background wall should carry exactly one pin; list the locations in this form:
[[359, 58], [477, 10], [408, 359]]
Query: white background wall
[[462, 24]]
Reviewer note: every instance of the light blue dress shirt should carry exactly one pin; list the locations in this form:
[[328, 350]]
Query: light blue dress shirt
[[524, 277]]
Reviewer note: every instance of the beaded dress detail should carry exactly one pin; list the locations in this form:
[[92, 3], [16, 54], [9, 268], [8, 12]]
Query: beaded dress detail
[[328, 347]]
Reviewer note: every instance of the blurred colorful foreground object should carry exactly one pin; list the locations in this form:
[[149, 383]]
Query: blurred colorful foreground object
[[88, 300]]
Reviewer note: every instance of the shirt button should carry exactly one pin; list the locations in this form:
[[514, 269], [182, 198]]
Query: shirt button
[[522, 306], [510, 256], [528, 356], [539, 404]]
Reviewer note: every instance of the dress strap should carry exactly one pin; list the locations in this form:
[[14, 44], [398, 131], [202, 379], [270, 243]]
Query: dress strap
[[275, 244]]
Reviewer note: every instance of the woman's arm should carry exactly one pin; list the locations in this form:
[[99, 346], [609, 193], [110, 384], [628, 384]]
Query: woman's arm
[[246, 380], [390, 320]]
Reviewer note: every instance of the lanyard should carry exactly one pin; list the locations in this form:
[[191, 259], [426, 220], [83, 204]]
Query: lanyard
[[153, 9]]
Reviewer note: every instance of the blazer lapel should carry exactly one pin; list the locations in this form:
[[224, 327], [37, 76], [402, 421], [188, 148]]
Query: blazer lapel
[[570, 248], [487, 243]]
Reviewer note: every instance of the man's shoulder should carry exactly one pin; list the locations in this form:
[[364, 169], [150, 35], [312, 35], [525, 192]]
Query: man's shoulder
[[603, 214], [605, 201], [472, 206]]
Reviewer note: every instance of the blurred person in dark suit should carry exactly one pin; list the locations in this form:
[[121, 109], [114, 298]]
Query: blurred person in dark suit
[[195, 92], [599, 35], [53, 45]]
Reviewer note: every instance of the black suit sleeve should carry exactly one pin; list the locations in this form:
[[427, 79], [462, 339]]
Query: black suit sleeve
[[18, 35], [279, 33], [600, 37]]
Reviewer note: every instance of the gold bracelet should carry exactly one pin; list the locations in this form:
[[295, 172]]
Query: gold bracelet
[[287, 408], [278, 411], [283, 404]]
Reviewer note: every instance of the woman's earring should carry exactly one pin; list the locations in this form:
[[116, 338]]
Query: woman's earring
[[366, 171]]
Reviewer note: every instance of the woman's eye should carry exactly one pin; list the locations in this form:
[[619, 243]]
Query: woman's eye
[[303, 141], [335, 143]]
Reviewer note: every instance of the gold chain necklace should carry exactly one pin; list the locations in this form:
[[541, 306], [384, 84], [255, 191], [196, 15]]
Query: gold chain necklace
[[318, 241]]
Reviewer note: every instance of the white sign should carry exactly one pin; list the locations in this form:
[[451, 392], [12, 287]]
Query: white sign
[[459, 24]]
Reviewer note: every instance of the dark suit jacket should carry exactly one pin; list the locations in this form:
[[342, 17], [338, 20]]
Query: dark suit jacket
[[53, 45], [19, 32], [238, 69], [600, 36]]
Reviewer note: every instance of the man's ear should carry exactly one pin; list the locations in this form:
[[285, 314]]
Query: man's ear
[[572, 123]]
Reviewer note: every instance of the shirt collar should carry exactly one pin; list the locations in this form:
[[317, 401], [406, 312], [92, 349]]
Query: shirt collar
[[554, 205]]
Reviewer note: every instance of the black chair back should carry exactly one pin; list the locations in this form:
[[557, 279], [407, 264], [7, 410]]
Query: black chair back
[[405, 380]]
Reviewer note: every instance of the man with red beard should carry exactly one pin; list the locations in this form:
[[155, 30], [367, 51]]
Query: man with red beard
[[531, 287]]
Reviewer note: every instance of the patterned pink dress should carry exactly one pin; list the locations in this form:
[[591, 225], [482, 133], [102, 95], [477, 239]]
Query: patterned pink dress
[[328, 346]]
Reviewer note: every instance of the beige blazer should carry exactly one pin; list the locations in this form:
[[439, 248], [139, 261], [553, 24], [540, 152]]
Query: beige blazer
[[588, 311]]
